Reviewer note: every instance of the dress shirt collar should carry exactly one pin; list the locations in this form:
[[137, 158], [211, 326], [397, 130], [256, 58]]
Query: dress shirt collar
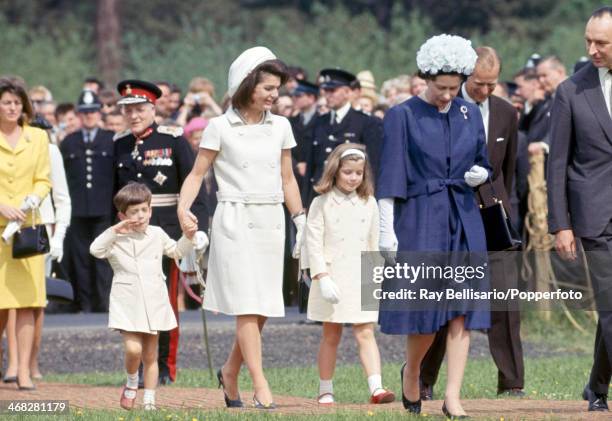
[[341, 112], [89, 132], [340, 197]]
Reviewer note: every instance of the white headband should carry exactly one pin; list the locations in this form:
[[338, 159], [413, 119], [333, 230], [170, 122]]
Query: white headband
[[353, 151]]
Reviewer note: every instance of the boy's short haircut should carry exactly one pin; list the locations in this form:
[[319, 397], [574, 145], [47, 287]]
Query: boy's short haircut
[[130, 195]]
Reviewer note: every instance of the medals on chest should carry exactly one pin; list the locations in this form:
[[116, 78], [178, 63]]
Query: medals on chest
[[158, 158]]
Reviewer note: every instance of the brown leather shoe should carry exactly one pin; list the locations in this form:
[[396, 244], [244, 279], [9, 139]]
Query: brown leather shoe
[[128, 397]]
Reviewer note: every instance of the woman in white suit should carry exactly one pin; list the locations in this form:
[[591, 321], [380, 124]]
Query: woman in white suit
[[250, 149]]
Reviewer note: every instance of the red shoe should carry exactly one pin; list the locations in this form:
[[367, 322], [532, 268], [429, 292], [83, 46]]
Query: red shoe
[[127, 402], [385, 397]]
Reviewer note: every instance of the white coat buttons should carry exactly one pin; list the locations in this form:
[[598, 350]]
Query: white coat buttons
[[88, 168], [88, 160], [89, 177], [139, 158], [139, 175], [251, 225], [278, 226], [245, 164], [328, 149], [273, 164], [315, 143], [88, 185]]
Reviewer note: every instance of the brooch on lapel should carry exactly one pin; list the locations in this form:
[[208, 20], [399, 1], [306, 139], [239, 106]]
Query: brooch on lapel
[[464, 110]]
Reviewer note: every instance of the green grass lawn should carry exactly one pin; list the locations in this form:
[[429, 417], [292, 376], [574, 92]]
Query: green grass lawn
[[551, 378]]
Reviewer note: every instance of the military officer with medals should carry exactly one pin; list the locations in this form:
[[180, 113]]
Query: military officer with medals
[[161, 158], [342, 124], [88, 161]]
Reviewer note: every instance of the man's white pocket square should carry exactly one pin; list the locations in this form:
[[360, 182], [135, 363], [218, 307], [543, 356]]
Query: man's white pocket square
[[499, 139]]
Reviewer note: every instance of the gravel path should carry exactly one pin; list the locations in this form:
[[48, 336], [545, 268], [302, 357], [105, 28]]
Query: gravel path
[[288, 344]]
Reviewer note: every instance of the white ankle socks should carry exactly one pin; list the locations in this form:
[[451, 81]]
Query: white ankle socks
[[149, 397], [132, 380], [375, 384], [326, 386]]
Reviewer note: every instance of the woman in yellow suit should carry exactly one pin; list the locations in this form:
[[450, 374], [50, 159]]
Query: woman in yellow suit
[[24, 182]]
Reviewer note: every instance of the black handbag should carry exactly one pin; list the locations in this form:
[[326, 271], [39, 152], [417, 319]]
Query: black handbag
[[30, 241], [303, 292], [501, 235]]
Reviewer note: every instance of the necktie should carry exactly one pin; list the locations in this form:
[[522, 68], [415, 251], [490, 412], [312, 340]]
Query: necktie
[[333, 118], [86, 136]]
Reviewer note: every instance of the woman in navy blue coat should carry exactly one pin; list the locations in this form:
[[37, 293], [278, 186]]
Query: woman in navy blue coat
[[433, 155]]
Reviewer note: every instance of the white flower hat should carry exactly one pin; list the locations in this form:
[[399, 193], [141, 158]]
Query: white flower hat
[[446, 54]]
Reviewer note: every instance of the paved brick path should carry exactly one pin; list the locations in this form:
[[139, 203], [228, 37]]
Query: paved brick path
[[95, 397]]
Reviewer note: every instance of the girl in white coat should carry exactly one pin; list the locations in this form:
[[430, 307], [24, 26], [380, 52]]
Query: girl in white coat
[[343, 222], [139, 306]]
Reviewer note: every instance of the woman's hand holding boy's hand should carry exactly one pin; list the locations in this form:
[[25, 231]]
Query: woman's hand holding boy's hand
[[190, 231]]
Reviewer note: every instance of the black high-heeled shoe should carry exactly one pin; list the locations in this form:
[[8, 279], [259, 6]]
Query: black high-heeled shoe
[[412, 407], [450, 416], [230, 403]]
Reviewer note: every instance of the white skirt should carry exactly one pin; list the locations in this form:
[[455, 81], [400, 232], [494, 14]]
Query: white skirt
[[245, 265]]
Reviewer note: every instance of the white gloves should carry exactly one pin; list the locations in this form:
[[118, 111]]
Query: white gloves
[[300, 223], [200, 241], [329, 290], [476, 176], [31, 201], [387, 243], [57, 243]]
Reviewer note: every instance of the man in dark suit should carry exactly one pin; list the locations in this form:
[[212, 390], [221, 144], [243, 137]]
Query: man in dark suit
[[341, 124], [500, 121], [305, 97], [88, 160], [579, 193]]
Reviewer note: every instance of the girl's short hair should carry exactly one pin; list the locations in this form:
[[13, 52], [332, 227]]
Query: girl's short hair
[[334, 163], [242, 98], [132, 194], [16, 86]]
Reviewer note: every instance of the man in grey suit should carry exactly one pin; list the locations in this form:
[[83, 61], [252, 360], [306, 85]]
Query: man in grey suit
[[580, 185]]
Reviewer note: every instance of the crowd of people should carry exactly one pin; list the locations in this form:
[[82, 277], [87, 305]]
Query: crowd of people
[[404, 167]]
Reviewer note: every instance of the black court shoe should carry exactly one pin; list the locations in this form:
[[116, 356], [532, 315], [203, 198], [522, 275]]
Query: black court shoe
[[230, 403], [412, 407]]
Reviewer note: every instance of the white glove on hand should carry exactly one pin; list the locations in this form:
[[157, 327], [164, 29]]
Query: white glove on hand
[[329, 290], [387, 242], [300, 223], [476, 176], [57, 242], [200, 242], [56, 248], [31, 201]]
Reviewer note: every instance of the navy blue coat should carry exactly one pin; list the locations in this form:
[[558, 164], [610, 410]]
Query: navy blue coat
[[415, 171], [89, 173]]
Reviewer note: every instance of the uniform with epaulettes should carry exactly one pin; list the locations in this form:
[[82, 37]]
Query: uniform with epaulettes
[[355, 127], [341, 125], [88, 161], [161, 159]]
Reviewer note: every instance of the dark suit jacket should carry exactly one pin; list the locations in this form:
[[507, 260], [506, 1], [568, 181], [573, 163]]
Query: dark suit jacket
[[580, 159], [302, 134], [536, 124], [89, 173], [502, 141]]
